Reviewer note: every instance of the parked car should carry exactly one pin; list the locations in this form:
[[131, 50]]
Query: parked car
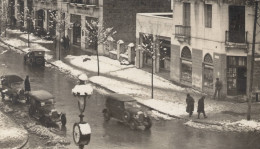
[[12, 86], [42, 108], [125, 108], [35, 57]]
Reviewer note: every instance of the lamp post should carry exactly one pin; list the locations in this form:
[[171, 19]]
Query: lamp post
[[81, 129]]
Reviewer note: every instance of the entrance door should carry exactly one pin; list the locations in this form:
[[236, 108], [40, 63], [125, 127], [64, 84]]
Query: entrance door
[[236, 75], [241, 80], [76, 33]]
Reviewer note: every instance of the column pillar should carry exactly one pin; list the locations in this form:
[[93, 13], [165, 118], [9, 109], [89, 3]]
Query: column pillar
[[119, 47], [83, 31]]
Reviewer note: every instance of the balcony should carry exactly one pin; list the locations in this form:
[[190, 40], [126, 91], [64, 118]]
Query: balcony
[[183, 33], [236, 39]]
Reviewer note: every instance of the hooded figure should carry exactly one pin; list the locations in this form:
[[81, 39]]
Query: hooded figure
[[201, 107], [190, 105], [27, 86]]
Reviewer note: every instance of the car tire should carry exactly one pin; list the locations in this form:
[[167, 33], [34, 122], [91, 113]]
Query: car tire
[[31, 111], [63, 119], [13, 99], [132, 125], [126, 116], [3, 96], [106, 115], [149, 123]]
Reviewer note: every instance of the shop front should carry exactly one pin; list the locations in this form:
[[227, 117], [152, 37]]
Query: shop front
[[186, 66], [236, 75]]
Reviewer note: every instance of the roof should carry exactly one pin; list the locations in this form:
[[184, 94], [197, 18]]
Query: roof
[[12, 78], [36, 50], [120, 97], [41, 95]]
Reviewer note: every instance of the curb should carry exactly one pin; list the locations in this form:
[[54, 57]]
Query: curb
[[98, 85]]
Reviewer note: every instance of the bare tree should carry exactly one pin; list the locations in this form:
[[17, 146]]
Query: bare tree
[[97, 35]]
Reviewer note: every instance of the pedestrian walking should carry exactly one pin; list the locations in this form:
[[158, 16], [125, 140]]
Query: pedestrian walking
[[68, 42], [201, 107], [27, 86], [218, 87], [190, 105], [64, 42]]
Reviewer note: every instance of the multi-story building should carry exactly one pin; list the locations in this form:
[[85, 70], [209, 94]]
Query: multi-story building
[[120, 15], [213, 39]]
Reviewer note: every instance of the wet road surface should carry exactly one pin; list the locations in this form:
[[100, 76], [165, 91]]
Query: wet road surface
[[113, 135]]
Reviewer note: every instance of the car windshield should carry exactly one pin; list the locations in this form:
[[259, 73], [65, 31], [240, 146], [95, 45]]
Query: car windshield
[[16, 85], [131, 104], [47, 102]]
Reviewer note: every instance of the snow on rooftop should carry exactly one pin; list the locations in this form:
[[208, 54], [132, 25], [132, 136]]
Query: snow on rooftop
[[83, 89]]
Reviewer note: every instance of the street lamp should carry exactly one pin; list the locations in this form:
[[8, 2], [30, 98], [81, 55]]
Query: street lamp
[[82, 130]]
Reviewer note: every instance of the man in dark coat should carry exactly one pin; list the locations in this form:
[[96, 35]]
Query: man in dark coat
[[201, 107], [190, 105], [27, 86], [218, 87]]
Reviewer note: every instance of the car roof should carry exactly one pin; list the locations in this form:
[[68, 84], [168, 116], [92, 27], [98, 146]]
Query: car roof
[[41, 95], [120, 97], [36, 50], [12, 78]]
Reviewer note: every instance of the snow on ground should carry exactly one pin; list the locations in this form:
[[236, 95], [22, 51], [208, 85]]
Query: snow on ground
[[3, 51], [238, 126], [90, 63], [35, 39], [67, 69]]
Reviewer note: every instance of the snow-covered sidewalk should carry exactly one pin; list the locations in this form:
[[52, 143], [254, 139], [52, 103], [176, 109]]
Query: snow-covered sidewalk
[[169, 98], [11, 135]]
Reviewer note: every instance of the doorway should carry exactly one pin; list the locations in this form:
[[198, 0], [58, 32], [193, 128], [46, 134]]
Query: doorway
[[236, 75], [77, 33]]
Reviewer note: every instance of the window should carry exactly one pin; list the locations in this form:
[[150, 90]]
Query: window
[[186, 65], [208, 16], [208, 71], [186, 14]]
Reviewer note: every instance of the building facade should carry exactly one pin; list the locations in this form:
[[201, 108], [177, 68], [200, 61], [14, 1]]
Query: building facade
[[213, 39]]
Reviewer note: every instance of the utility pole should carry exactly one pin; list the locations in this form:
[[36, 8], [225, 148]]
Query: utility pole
[[252, 64]]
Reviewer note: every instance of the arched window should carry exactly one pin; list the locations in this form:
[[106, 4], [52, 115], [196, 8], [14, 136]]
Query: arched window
[[208, 59], [186, 65], [186, 53], [208, 71]]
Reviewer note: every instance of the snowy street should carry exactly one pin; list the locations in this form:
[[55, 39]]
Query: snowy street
[[169, 99]]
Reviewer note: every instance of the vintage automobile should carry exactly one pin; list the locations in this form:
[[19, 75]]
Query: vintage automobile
[[35, 57], [42, 108], [125, 108], [12, 86]]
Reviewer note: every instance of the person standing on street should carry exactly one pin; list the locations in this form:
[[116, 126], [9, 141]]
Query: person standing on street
[[190, 105], [218, 87], [201, 107], [68, 42], [27, 86]]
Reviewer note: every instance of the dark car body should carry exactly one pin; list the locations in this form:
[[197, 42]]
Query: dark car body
[[125, 108], [42, 108], [35, 57], [12, 86]]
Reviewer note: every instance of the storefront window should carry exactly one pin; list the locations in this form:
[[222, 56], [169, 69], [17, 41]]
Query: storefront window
[[208, 71], [186, 65]]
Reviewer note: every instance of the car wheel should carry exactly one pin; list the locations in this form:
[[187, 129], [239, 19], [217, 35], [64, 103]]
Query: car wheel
[[126, 116], [132, 125], [3, 96], [31, 111], [106, 115], [13, 99], [63, 119], [149, 123]]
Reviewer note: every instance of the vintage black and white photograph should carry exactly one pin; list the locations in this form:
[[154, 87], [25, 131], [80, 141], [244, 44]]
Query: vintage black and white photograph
[[129, 74]]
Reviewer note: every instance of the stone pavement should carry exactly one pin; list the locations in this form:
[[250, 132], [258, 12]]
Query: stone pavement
[[217, 111]]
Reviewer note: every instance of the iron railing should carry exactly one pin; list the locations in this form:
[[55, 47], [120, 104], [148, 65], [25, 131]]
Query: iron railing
[[236, 36], [182, 31]]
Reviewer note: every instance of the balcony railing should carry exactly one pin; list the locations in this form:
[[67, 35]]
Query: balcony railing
[[86, 2], [182, 31], [236, 36]]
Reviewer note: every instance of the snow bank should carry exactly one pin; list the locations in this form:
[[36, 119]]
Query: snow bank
[[67, 69], [238, 126]]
